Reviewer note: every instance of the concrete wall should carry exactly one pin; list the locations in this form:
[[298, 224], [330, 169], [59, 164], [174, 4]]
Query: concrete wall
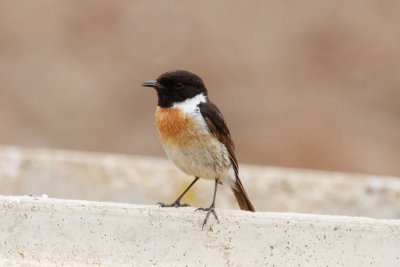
[[42, 230], [146, 180]]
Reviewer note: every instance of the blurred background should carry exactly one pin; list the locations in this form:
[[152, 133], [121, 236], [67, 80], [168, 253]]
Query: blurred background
[[301, 84]]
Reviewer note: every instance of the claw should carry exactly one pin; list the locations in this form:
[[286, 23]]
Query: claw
[[209, 210]]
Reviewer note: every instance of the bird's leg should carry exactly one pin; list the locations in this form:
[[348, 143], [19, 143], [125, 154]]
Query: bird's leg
[[177, 202], [211, 209]]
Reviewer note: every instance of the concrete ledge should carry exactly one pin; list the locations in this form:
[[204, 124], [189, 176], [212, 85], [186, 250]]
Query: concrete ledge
[[44, 231], [148, 180], [49, 231]]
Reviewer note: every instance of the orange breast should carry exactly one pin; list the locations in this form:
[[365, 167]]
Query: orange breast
[[174, 127]]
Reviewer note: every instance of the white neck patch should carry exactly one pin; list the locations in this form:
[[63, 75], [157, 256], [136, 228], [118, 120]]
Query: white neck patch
[[190, 108], [190, 105]]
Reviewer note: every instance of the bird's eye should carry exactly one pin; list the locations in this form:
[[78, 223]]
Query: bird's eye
[[178, 85]]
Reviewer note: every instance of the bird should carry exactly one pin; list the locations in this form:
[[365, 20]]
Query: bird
[[195, 136]]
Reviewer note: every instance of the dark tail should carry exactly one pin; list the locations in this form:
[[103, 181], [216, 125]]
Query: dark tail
[[241, 196]]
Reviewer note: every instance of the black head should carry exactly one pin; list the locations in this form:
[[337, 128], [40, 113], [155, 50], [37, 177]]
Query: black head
[[176, 86]]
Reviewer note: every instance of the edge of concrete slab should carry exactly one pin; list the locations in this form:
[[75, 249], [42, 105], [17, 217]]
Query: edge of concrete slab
[[45, 231], [147, 180]]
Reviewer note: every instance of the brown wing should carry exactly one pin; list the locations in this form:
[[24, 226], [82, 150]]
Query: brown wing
[[216, 123]]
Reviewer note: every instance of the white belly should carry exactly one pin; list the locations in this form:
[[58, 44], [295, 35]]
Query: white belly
[[203, 157]]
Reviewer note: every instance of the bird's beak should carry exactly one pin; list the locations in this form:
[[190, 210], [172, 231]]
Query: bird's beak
[[152, 83]]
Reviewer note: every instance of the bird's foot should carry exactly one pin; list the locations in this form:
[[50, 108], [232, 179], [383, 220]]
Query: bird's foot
[[176, 204], [209, 210]]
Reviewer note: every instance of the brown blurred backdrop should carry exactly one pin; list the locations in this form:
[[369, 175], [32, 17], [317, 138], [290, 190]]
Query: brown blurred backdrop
[[302, 84]]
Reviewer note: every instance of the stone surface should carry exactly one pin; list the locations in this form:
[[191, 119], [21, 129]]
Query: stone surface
[[147, 180], [49, 232]]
